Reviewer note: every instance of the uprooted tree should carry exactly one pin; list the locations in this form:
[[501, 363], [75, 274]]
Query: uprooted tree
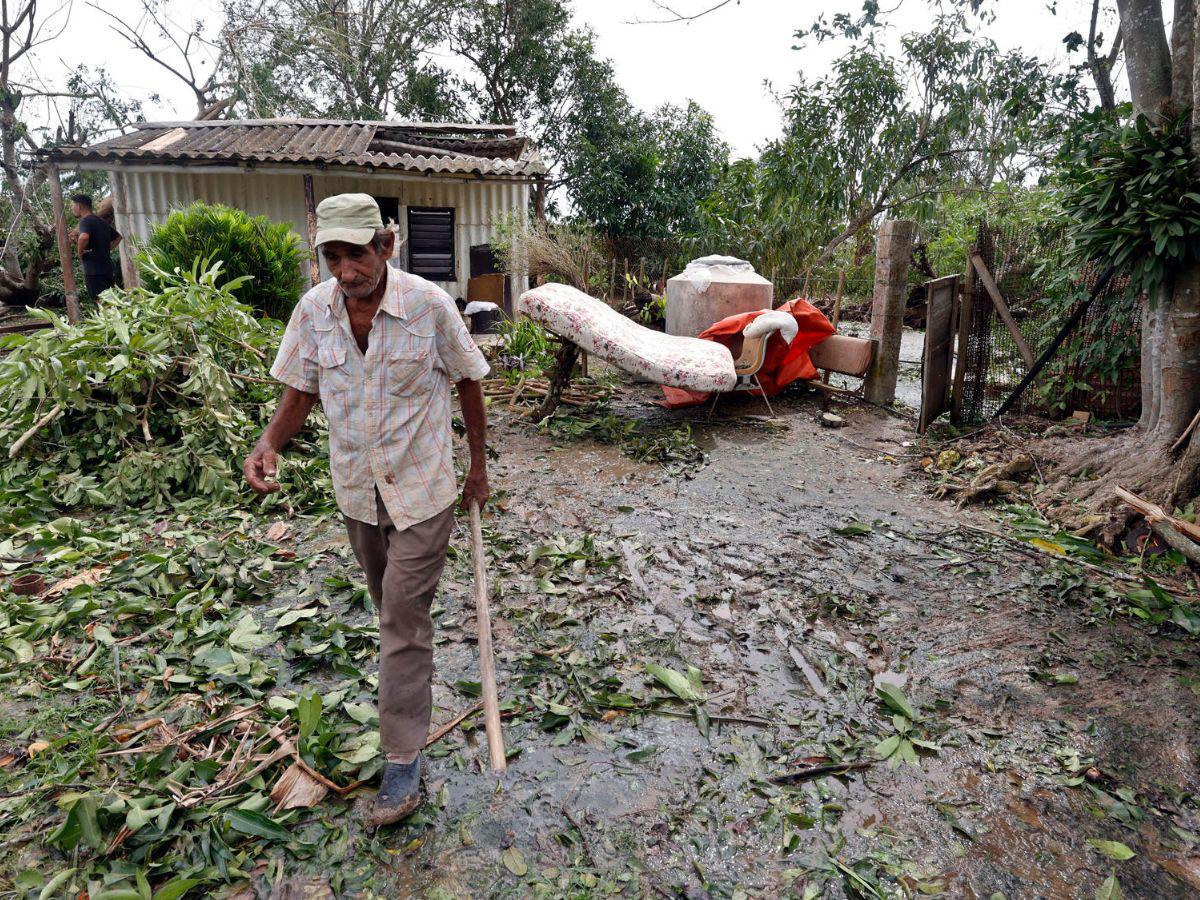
[[1136, 206]]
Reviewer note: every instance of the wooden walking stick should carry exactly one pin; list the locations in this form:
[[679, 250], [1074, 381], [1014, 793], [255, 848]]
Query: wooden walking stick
[[487, 663]]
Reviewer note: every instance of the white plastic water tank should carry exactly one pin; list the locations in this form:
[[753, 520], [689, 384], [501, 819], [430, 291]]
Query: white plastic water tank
[[711, 288]]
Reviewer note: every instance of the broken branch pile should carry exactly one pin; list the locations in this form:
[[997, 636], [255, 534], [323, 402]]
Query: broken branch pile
[[529, 390], [154, 395]]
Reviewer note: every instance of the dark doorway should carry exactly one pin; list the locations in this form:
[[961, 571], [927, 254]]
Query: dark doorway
[[484, 262]]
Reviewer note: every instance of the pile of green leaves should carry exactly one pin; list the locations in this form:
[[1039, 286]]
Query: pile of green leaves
[[1131, 191], [172, 628], [673, 448], [260, 260], [154, 394]]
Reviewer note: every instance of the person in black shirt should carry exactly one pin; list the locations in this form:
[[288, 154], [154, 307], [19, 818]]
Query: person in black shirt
[[95, 242]]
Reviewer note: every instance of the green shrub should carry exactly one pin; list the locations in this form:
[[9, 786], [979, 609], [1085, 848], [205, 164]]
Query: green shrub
[[268, 253], [527, 346], [1130, 192]]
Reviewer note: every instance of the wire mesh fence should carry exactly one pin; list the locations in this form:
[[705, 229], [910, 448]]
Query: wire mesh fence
[[1095, 370]]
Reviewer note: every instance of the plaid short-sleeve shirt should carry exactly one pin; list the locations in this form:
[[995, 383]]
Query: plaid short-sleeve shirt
[[389, 409]]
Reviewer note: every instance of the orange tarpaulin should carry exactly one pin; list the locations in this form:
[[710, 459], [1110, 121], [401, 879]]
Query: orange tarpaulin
[[784, 364]]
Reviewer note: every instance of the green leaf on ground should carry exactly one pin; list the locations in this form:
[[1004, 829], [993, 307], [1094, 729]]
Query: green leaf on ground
[[1110, 890], [1112, 849], [514, 861], [853, 529], [256, 825], [79, 826], [893, 698], [676, 683], [308, 712]]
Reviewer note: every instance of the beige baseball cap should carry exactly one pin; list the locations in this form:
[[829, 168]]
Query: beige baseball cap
[[353, 218]]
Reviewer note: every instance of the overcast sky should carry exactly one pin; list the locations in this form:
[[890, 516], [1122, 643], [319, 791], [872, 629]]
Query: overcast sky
[[721, 60]]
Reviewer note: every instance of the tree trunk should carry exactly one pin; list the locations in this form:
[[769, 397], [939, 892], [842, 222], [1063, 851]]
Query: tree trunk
[[1153, 316], [1183, 42], [1179, 358], [1148, 58], [1144, 459]]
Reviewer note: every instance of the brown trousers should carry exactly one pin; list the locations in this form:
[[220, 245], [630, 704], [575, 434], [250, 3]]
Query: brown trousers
[[402, 569]]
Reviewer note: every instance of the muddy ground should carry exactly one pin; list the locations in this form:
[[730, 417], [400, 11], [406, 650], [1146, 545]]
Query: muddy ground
[[797, 570], [808, 604]]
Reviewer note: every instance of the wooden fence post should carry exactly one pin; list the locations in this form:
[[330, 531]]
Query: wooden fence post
[[893, 247], [837, 311], [310, 213], [64, 246]]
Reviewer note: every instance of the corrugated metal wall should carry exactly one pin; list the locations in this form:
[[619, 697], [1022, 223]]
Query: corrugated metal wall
[[478, 205]]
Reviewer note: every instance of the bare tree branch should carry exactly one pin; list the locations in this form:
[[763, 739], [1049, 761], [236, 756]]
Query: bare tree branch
[[677, 17], [204, 89]]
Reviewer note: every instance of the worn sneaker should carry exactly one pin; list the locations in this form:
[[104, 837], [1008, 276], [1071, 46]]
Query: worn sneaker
[[399, 793]]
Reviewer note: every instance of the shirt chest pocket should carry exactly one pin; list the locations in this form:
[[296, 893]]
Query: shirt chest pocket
[[409, 373], [331, 357]]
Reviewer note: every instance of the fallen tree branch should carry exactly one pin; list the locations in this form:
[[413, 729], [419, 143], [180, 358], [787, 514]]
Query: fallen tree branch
[[34, 429], [1175, 533], [818, 771], [568, 354]]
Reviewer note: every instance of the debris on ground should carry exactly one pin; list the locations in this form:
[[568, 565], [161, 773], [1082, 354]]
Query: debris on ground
[[780, 675]]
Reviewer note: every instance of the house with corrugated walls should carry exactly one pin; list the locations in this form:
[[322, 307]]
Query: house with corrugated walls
[[444, 187]]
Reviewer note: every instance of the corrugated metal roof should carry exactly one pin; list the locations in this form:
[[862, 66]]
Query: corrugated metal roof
[[426, 147]]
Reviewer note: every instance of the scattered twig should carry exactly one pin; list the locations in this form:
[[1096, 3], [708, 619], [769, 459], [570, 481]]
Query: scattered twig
[[1186, 433], [818, 771], [634, 574], [583, 837], [453, 723]]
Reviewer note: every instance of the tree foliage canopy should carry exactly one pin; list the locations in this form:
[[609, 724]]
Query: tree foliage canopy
[[884, 132], [260, 259]]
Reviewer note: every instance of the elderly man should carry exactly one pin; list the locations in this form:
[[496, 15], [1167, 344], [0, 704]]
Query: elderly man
[[381, 347]]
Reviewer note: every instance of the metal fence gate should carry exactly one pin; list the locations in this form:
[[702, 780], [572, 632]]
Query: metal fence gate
[[1003, 317]]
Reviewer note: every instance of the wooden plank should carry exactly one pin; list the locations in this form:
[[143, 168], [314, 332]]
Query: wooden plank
[[837, 311], [965, 311], [310, 214], [938, 356], [989, 285], [487, 661], [64, 245]]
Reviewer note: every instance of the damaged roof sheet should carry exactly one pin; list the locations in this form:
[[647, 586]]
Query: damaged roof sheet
[[434, 148]]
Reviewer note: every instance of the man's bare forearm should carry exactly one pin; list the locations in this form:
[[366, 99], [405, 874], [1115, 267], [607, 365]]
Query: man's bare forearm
[[290, 416], [470, 397]]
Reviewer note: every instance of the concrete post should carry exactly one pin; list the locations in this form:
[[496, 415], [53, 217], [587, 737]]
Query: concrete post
[[893, 248], [124, 221]]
